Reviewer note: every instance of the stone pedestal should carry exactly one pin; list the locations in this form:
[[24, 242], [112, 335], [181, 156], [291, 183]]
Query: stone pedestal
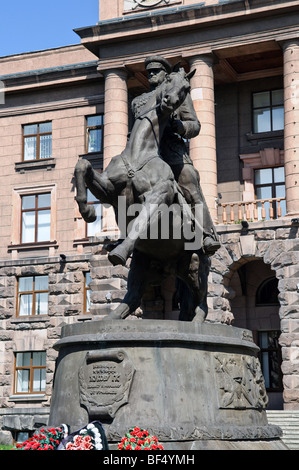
[[194, 386]]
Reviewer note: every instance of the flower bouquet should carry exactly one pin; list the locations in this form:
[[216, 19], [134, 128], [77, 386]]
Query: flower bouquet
[[90, 437], [139, 439], [46, 439]]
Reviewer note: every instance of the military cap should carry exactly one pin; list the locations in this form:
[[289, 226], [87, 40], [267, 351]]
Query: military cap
[[157, 62]]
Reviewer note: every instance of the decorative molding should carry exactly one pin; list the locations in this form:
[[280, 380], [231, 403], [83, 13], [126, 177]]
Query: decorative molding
[[141, 5], [184, 433], [40, 164], [52, 106], [240, 381]]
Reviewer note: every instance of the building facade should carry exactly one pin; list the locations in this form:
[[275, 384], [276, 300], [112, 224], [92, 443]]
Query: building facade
[[73, 102]]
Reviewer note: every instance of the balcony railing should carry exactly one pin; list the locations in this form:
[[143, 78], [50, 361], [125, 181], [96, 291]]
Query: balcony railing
[[252, 211]]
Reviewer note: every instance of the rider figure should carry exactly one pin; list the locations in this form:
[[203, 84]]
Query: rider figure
[[183, 124]]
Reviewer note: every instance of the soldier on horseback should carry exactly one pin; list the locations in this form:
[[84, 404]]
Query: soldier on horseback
[[183, 125]]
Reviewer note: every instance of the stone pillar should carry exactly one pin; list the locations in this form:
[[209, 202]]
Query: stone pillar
[[115, 129], [291, 131], [203, 147], [116, 113]]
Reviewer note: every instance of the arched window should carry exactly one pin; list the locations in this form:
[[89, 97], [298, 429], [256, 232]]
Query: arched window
[[267, 293]]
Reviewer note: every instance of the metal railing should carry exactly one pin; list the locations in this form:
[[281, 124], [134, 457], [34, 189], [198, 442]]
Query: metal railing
[[251, 211]]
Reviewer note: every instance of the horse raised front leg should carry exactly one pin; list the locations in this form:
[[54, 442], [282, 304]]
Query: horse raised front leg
[[82, 171]]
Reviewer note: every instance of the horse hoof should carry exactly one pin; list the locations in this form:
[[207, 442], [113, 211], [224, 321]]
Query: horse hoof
[[116, 259], [199, 316], [89, 215], [210, 246]]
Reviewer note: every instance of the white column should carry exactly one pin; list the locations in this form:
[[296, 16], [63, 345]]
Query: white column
[[116, 113], [203, 147], [115, 128], [291, 122]]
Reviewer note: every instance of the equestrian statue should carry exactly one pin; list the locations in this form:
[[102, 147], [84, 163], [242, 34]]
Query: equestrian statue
[[155, 171]]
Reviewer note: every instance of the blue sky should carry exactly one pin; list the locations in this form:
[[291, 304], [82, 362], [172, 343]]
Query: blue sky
[[32, 25]]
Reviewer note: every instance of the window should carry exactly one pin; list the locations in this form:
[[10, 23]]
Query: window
[[37, 141], [87, 280], [268, 111], [36, 218], [270, 183], [270, 357], [30, 372], [92, 229], [94, 133], [267, 293], [32, 295]]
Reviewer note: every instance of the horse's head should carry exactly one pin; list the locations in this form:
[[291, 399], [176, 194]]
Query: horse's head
[[174, 90]]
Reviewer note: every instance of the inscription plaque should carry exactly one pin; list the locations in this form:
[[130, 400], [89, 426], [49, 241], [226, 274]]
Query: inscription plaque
[[105, 379]]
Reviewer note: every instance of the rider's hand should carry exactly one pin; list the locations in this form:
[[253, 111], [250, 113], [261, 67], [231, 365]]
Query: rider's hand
[[178, 126]]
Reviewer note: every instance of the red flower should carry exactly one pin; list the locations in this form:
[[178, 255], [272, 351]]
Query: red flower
[[139, 439]]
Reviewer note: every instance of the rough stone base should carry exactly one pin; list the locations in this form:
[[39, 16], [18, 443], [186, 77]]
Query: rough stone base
[[275, 444], [194, 386]]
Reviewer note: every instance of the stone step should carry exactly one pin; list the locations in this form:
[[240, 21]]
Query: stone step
[[102, 309], [99, 260], [105, 284], [107, 296], [288, 421], [109, 271]]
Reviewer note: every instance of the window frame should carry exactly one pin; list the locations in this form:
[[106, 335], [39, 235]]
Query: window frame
[[18, 192], [33, 292], [31, 369], [271, 107], [273, 185], [97, 127], [37, 135], [36, 210]]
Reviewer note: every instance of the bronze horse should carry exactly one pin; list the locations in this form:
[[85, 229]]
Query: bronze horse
[[141, 176]]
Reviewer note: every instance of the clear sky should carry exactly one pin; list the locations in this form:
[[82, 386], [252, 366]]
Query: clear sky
[[33, 25]]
